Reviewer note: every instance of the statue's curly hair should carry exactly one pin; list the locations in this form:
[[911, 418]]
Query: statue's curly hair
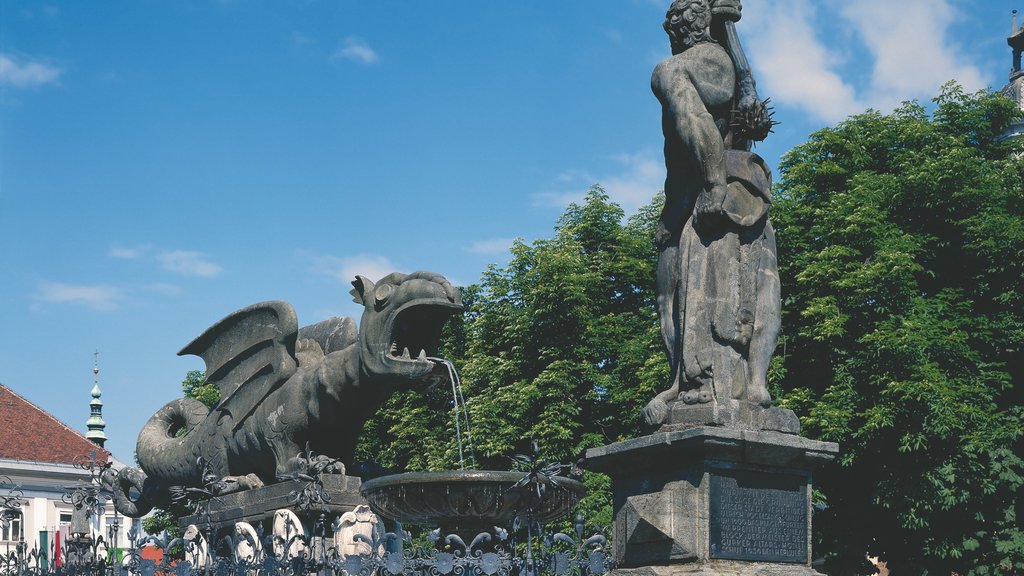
[[688, 22]]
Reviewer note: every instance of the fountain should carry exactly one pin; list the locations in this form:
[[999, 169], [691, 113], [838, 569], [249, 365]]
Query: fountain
[[467, 502]]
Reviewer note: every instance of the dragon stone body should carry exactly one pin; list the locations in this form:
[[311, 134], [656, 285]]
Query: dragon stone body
[[285, 389]]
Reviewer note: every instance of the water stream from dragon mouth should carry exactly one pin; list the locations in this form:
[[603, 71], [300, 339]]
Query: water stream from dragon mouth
[[461, 413]]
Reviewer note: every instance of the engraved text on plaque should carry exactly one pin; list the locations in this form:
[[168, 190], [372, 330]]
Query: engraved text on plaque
[[758, 516]]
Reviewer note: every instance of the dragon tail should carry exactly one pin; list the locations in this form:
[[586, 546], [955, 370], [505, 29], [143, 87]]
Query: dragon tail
[[164, 452]]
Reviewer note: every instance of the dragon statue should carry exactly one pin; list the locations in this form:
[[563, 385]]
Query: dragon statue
[[286, 390]]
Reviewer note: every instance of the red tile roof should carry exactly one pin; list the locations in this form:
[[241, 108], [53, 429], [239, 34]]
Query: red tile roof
[[27, 432]]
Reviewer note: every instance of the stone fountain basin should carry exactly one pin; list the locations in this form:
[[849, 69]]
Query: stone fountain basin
[[465, 500]]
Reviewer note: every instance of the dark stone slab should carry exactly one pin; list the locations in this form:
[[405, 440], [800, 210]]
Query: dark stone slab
[[667, 450], [731, 414], [259, 504], [758, 516], [720, 568]]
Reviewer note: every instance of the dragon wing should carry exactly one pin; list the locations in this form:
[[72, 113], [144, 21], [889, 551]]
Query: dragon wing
[[332, 334], [248, 355]]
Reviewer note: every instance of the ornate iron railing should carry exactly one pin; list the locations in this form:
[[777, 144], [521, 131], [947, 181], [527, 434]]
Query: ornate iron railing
[[524, 549], [389, 554]]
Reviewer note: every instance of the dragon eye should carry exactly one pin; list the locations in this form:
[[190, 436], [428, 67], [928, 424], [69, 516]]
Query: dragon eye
[[383, 293]]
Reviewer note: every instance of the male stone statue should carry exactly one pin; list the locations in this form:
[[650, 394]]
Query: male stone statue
[[717, 280]]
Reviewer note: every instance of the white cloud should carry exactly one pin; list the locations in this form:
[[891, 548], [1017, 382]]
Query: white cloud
[[346, 269], [128, 252], [97, 297], [300, 39], [558, 199], [21, 72], [791, 63], [188, 263], [912, 56], [491, 246], [184, 262], [355, 49], [613, 35], [164, 289], [631, 181], [908, 57], [642, 176]]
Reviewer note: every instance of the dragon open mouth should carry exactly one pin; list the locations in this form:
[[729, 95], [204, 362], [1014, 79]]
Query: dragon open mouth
[[416, 330]]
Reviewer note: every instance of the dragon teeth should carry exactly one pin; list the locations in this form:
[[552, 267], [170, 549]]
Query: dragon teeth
[[422, 356], [405, 353]]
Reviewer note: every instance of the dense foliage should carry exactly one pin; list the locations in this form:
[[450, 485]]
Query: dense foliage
[[560, 346], [901, 245], [195, 386]]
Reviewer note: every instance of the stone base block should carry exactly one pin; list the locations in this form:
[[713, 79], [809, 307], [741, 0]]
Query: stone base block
[[720, 568], [712, 500], [259, 504], [734, 414]]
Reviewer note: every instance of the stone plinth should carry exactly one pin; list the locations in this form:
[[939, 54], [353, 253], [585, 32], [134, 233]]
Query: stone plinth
[[734, 414], [712, 500], [259, 504]]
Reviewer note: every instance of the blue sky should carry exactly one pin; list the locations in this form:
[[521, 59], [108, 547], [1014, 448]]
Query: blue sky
[[163, 164]]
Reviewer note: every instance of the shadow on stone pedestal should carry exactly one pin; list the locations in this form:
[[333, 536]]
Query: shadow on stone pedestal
[[711, 500], [259, 504]]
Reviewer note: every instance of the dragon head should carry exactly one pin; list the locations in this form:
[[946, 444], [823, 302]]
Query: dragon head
[[402, 319]]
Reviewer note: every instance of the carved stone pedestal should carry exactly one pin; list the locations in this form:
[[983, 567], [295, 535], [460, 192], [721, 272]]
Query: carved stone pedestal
[[712, 500], [259, 504], [734, 414]]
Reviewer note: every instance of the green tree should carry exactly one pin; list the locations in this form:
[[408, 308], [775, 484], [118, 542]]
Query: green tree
[[564, 335], [901, 250], [560, 346], [193, 386]]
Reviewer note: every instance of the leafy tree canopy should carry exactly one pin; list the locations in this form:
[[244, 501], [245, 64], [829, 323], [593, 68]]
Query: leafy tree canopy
[[901, 250], [195, 386]]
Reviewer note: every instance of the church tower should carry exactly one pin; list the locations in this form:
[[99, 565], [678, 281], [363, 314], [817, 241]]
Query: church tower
[[95, 423], [1014, 90]]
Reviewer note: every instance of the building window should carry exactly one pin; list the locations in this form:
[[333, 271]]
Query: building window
[[11, 526], [65, 518]]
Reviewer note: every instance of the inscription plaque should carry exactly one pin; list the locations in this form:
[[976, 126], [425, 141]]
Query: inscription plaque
[[758, 516]]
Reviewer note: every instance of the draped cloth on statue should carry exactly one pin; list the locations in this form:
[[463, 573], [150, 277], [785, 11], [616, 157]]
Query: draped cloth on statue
[[725, 289]]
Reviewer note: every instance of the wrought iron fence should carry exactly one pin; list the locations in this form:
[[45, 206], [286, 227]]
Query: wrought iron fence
[[524, 549], [497, 553]]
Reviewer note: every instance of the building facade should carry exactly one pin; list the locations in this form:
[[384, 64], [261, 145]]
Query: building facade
[[42, 460]]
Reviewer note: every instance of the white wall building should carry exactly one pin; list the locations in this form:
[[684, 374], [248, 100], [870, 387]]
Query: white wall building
[[42, 457]]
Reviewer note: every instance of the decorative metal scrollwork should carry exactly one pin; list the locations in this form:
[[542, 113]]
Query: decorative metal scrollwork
[[200, 553]]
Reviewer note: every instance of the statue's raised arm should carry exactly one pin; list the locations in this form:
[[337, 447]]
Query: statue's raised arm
[[751, 119]]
